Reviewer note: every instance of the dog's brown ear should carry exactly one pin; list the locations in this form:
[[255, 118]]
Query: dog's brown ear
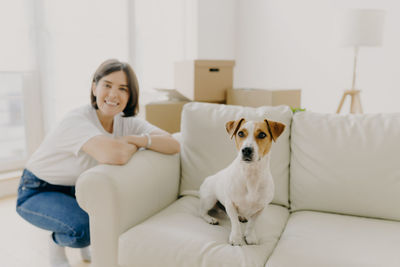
[[275, 129], [233, 126]]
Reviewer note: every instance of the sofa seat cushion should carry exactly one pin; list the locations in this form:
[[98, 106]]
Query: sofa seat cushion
[[177, 236], [330, 240], [207, 147]]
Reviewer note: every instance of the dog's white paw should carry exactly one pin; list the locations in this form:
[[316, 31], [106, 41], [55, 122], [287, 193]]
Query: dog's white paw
[[251, 238], [236, 240], [210, 219]]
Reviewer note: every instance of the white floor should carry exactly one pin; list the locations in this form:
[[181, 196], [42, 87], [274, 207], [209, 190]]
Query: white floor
[[22, 244]]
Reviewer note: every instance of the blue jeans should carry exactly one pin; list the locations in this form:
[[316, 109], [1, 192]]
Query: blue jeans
[[54, 208]]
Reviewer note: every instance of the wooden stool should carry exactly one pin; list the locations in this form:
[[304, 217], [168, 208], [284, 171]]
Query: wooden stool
[[355, 105]]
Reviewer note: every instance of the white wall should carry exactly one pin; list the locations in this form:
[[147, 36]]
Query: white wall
[[158, 39], [17, 51], [216, 31], [169, 31], [74, 37], [292, 44], [277, 44]]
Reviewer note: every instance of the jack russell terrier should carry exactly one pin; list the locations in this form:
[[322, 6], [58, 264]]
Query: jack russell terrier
[[246, 186]]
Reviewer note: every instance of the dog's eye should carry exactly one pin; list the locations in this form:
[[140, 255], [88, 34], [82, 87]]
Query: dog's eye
[[261, 135], [241, 134]]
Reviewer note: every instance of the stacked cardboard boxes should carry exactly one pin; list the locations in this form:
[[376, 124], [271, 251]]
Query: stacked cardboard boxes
[[261, 97], [204, 80], [195, 80], [165, 114], [211, 81]]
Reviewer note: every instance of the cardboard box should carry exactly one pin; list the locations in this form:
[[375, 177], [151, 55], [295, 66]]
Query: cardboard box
[[165, 114], [204, 80], [260, 97]]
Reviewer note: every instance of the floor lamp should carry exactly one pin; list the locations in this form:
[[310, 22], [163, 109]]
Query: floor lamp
[[361, 27]]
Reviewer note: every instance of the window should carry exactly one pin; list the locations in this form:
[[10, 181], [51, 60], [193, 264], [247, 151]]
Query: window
[[48, 53], [12, 134], [14, 59], [21, 128]]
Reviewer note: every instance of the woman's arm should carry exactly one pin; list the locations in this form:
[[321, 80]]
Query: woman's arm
[[107, 150], [160, 141]]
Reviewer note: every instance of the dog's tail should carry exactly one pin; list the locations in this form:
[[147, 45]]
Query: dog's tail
[[193, 193]]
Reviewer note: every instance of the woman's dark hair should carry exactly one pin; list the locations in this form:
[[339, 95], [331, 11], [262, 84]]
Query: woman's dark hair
[[113, 65]]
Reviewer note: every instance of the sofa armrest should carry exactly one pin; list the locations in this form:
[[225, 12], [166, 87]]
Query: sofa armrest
[[119, 197], [178, 136]]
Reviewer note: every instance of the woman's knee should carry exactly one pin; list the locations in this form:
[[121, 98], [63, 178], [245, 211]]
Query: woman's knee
[[80, 224], [78, 237], [83, 240]]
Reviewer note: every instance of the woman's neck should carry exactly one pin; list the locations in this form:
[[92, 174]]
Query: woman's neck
[[106, 122]]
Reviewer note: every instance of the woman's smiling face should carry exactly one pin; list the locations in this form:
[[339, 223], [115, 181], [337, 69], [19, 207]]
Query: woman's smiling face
[[112, 93]]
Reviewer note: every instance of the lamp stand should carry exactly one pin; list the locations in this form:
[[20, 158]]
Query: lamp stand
[[355, 104]]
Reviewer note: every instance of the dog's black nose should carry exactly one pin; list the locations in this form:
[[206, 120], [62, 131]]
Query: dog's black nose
[[247, 151]]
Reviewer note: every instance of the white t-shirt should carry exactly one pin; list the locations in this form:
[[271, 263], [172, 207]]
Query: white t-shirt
[[59, 159]]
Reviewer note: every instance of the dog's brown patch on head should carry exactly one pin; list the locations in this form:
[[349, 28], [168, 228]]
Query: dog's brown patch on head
[[263, 138], [232, 127], [265, 132], [241, 136], [275, 128]]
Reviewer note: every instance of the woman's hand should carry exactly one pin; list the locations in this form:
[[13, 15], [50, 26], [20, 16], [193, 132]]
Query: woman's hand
[[107, 150], [160, 141]]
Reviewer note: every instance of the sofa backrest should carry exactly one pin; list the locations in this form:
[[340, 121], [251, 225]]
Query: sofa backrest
[[346, 164], [207, 148]]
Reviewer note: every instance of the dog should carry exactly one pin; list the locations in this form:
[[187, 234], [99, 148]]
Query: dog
[[246, 186]]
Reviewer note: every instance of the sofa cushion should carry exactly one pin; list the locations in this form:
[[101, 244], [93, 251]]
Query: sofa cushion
[[314, 239], [177, 236], [346, 164], [207, 147]]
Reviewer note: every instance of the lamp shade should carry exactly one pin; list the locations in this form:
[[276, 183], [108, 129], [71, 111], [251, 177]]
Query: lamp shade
[[362, 27]]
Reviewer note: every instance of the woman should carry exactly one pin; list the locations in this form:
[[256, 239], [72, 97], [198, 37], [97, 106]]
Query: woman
[[105, 132]]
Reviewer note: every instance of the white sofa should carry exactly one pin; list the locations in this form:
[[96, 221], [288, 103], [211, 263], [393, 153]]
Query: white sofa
[[337, 197]]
